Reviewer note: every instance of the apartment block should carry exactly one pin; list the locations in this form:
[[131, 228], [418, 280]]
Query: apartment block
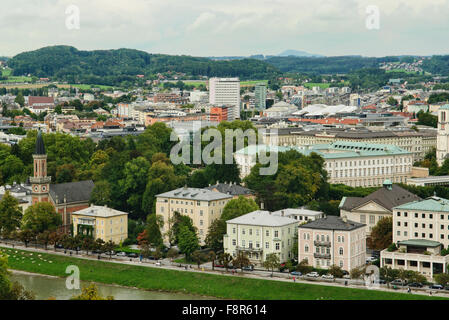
[[332, 241], [225, 91], [260, 233], [201, 205]]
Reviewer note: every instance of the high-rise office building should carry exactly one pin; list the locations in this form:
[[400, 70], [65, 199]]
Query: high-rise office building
[[225, 91], [260, 93]]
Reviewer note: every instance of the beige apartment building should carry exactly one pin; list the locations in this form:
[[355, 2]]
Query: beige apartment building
[[418, 143], [420, 230], [371, 209], [201, 205], [260, 233], [332, 241], [101, 223]]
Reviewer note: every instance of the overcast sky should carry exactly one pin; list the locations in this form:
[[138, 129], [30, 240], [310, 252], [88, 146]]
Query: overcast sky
[[229, 27]]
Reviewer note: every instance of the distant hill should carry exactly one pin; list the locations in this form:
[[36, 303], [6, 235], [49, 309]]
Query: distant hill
[[297, 53], [116, 67]]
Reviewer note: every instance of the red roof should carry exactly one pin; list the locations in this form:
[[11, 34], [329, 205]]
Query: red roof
[[39, 100]]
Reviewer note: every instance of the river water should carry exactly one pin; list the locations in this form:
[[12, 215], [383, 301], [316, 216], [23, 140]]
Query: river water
[[45, 287]]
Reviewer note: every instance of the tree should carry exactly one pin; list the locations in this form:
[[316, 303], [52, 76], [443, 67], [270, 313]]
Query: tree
[[154, 225], [238, 207], [172, 253], [271, 262], [303, 266], [54, 239], [392, 101], [41, 217], [381, 234], [87, 244], [357, 273], [241, 261], [20, 99], [90, 293], [11, 290], [187, 241], [225, 259], [99, 245], [336, 271], [212, 256], [109, 247], [214, 237], [389, 274], [101, 194], [44, 238], [10, 214], [26, 236], [198, 257], [442, 278], [176, 222]]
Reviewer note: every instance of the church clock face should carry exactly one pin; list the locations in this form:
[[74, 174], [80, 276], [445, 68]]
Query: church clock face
[[44, 188], [36, 188]]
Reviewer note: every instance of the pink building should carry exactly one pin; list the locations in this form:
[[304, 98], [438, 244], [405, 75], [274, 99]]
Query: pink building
[[332, 241]]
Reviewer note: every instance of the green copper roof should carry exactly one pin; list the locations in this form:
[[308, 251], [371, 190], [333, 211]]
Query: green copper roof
[[335, 150], [445, 107], [429, 204], [420, 243]]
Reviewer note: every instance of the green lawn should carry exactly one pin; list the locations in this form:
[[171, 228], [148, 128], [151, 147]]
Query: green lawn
[[321, 85], [89, 86], [400, 71], [6, 72], [230, 287], [252, 83]]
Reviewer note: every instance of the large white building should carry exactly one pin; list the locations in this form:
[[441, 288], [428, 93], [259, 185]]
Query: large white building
[[225, 91], [354, 164], [443, 134]]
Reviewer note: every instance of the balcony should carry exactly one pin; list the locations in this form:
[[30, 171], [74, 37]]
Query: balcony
[[322, 255], [322, 243]]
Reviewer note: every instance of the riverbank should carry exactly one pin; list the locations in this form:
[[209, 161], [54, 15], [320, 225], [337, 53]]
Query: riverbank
[[198, 283]]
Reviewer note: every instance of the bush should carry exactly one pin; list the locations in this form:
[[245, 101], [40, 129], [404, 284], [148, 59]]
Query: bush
[[392, 247]]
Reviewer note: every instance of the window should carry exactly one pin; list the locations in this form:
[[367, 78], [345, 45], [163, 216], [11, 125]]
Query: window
[[276, 234], [340, 251], [341, 264], [267, 245], [233, 230], [243, 243], [250, 232], [234, 242], [362, 218], [277, 246], [398, 214], [267, 233], [306, 248]]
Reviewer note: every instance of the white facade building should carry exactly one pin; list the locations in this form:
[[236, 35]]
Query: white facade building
[[225, 91], [443, 134]]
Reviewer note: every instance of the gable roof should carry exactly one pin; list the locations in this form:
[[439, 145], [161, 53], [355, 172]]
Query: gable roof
[[384, 197], [79, 191]]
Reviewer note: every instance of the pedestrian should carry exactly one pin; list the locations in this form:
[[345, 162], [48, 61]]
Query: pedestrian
[[409, 290], [294, 279]]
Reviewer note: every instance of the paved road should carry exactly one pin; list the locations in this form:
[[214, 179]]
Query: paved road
[[206, 268]]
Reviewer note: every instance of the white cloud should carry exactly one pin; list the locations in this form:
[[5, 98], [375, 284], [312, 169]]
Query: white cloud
[[232, 27]]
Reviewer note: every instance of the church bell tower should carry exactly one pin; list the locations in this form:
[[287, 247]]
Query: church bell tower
[[40, 183]]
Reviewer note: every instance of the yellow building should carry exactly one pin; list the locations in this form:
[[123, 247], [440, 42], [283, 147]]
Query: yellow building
[[201, 205], [102, 223]]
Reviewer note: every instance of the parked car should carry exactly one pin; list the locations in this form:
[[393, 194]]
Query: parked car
[[398, 282], [121, 254], [248, 268], [59, 246], [415, 285], [219, 265], [158, 263], [296, 273], [313, 274], [132, 255], [436, 286], [327, 276], [380, 281], [370, 259]]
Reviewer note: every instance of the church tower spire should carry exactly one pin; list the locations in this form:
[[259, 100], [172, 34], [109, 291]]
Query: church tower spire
[[40, 183]]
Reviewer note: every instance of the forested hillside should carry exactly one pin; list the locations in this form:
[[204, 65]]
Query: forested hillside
[[111, 67]]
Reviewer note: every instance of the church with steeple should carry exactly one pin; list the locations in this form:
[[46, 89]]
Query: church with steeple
[[65, 197]]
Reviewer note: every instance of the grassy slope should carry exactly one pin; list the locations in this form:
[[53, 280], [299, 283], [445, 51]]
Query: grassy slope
[[233, 287]]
